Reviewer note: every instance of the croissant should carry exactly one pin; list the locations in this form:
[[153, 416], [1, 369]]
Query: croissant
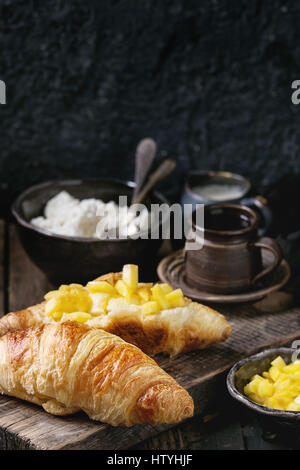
[[170, 331], [67, 367]]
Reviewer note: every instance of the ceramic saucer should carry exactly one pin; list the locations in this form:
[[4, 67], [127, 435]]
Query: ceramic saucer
[[171, 271]]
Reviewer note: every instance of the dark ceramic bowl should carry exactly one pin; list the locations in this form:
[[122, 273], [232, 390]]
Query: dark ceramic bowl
[[75, 259], [241, 373]]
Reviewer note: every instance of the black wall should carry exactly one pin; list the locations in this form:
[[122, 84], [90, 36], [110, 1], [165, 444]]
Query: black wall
[[210, 80]]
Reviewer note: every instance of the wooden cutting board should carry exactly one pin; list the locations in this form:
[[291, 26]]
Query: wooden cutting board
[[23, 425]]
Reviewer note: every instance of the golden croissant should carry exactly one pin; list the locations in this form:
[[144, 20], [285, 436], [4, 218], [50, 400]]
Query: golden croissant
[[70, 367], [155, 318]]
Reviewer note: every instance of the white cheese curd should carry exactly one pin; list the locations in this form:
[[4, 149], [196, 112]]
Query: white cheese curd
[[66, 215]]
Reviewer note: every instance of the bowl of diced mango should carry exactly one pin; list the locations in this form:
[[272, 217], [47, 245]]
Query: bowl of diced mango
[[268, 383]]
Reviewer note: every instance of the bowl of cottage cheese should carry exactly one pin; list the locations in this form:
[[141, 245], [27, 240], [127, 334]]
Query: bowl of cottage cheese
[[67, 215], [75, 230]]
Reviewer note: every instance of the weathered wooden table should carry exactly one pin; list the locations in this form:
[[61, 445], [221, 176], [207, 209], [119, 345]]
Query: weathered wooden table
[[227, 426]]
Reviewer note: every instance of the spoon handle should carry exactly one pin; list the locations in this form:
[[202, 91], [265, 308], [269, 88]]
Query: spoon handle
[[145, 154], [164, 169]]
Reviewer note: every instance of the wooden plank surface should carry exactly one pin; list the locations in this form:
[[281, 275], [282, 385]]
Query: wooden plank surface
[[202, 373], [27, 283], [3, 268]]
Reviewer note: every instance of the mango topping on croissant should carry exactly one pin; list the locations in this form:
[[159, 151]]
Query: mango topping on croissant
[[154, 317], [67, 299], [71, 302]]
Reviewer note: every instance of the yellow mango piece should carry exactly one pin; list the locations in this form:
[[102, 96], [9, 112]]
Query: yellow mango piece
[[282, 385], [53, 305], [297, 399], [257, 378], [166, 288], [265, 389], [278, 362], [252, 386], [150, 307], [159, 297], [68, 287], [292, 369], [293, 406], [272, 402], [278, 388], [283, 402], [249, 389], [144, 294], [256, 398], [51, 294], [135, 299], [175, 298], [123, 289], [130, 275], [100, 301], [68, 299], [81, 317], [274, 373], [96, 287], [56, 315]]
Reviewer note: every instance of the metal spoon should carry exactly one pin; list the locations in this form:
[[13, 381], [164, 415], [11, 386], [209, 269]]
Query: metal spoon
[[164, 169], [145, 154]]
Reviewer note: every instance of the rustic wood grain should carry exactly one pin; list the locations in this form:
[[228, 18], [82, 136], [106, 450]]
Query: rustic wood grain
[[202, 373], [2, 268], [220, 429], [27, 284]]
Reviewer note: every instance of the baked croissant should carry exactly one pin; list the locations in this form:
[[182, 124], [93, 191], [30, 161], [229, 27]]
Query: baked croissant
[[171, 330], [70, 367]]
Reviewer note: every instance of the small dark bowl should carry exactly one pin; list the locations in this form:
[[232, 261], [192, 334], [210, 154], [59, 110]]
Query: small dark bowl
[[66, 259], [241, 373]]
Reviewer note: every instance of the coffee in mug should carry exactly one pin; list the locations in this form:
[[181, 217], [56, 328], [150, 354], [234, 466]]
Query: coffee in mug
[[230, 260]]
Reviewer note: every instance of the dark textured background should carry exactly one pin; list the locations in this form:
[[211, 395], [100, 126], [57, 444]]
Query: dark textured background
[[209, 80]]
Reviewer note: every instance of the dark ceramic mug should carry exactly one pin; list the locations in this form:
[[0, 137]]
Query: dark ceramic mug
[[230, 260], [241, 195]]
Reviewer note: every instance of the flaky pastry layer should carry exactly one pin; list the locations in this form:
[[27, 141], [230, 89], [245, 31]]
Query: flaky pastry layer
[[70, 367]]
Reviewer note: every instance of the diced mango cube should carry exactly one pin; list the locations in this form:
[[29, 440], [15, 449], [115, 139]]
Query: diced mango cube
[[96, 287], [278, 362], [123, 289], [53, 305], [51, 294], [274, 373], [251, 387], [175, 298], [283, 401], [150, 307], [278, 388], [159, 296], [272, 402], [282, 384], [100, 301], [166, 288], [67, 299], [135, 299], [56, 315], [265, 389], [145, 284], [144, 293], [81, 317], [293, 406], [297, 399], [130, 275]]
